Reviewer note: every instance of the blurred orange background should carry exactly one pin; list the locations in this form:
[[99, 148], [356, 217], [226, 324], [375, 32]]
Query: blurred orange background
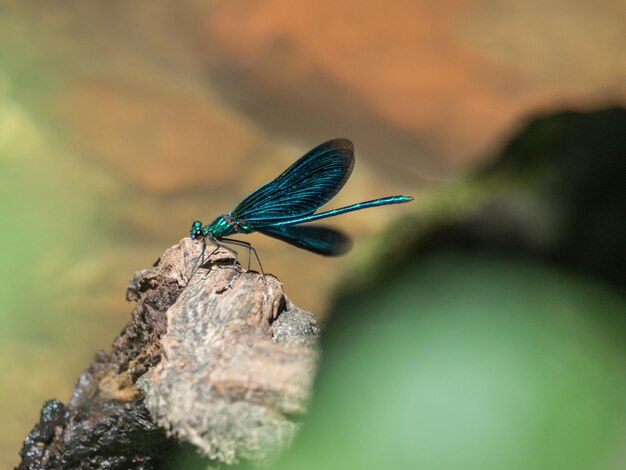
[[122, 122]]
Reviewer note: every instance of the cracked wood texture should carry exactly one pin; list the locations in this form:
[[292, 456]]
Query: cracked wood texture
[[222, 363]]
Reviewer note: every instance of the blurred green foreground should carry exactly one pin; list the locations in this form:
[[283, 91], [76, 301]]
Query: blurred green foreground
[[472, 362]]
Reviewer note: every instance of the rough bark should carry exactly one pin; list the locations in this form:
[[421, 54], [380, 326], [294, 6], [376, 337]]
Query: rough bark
[[221, 363]]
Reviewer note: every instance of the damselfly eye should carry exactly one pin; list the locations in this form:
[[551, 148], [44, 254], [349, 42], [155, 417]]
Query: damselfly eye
[[196, 230]]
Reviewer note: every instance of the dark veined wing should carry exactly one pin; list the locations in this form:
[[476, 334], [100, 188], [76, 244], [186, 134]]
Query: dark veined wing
[[302, 188], [316, 238]]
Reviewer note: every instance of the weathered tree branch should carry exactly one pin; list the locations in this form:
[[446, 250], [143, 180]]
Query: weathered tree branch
[[221, 362]]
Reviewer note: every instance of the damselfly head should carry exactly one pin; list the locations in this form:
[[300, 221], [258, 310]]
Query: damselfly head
[[196, 231]]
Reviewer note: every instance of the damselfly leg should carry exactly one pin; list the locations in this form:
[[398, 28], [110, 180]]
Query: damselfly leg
[[235, 242], [199, 260]]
